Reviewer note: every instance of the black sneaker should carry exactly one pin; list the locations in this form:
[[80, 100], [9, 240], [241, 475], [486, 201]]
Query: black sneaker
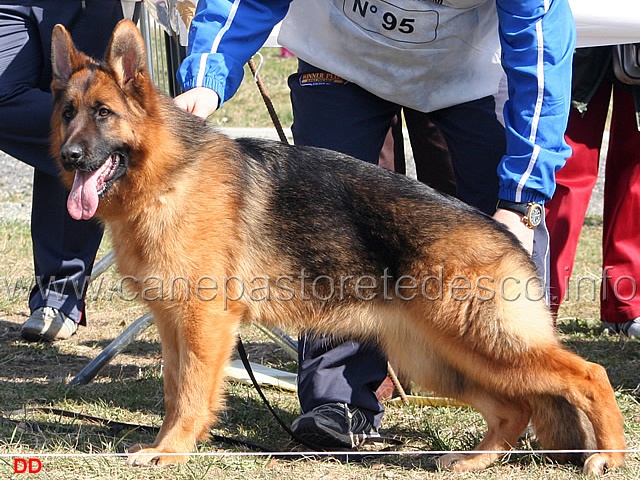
[[334, 426]]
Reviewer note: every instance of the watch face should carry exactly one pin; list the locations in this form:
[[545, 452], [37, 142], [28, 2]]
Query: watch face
[[534, 215]]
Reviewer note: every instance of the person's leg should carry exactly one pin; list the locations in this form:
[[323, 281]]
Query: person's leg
[[392, 151], [332, 114], [66, 258], [430, 152], [64, 249], [574, 184], [621, 251], [476, 142]]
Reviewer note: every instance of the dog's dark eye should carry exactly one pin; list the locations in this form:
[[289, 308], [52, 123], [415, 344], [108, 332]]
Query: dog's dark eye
[[67, 114], [104, 112]]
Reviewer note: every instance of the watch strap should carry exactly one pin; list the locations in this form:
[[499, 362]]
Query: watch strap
[[518, 207]]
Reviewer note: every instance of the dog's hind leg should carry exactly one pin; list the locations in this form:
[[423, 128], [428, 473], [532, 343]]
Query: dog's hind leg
[[549, 371], [506, 420], [196, 349], [552, 371], [423, 360]]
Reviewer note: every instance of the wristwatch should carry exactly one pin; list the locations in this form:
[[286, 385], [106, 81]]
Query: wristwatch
[[531, 212]]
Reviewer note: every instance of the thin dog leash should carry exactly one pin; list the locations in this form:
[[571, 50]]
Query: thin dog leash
[[267, 101]]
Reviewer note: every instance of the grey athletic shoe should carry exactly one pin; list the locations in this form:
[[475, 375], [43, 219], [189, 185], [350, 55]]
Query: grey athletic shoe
[[48, 324], [334, 426], [628, 329]]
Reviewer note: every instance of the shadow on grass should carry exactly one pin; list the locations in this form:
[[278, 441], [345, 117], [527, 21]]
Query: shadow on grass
[[245, 419], [28, 360], [137, 348]]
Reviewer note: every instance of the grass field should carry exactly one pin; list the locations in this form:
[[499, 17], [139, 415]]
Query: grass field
[[129, 389]]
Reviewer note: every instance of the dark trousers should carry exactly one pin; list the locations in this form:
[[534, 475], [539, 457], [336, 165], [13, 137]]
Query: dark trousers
[[344, 117], [63, 249], [431, 156]]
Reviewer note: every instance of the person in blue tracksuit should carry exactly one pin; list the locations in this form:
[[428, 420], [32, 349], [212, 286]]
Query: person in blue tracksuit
[[63, 249], [360, 61]]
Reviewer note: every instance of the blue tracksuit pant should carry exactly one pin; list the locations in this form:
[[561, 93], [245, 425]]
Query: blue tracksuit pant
[[63, 249]]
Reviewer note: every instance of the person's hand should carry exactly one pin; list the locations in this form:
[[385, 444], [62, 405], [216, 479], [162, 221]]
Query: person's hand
[[200, 101], [514, 223]]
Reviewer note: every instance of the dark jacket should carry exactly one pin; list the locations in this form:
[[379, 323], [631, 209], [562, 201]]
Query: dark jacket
[[591, 65]]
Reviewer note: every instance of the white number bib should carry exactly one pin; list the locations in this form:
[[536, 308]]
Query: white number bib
[[416, 25]]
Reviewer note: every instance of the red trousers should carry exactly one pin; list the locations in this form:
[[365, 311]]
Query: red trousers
[[619, 300]]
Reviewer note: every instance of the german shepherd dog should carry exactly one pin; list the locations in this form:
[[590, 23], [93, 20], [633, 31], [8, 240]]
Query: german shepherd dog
[[246, 229]]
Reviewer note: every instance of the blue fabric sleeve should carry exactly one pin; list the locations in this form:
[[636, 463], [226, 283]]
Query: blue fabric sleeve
[[538, 39], [223, 36]]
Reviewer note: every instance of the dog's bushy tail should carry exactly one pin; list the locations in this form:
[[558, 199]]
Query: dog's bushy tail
[[561, 426]]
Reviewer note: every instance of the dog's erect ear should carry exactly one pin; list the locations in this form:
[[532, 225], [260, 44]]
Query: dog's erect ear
[[126, 53], [65, 59]]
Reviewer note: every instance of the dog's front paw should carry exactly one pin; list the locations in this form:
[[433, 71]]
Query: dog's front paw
[[464, 462], [448, 461], [598, 463], [144, 455]]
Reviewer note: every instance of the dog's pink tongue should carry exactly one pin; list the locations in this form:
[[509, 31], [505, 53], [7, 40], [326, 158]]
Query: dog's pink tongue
[[83, 199]]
